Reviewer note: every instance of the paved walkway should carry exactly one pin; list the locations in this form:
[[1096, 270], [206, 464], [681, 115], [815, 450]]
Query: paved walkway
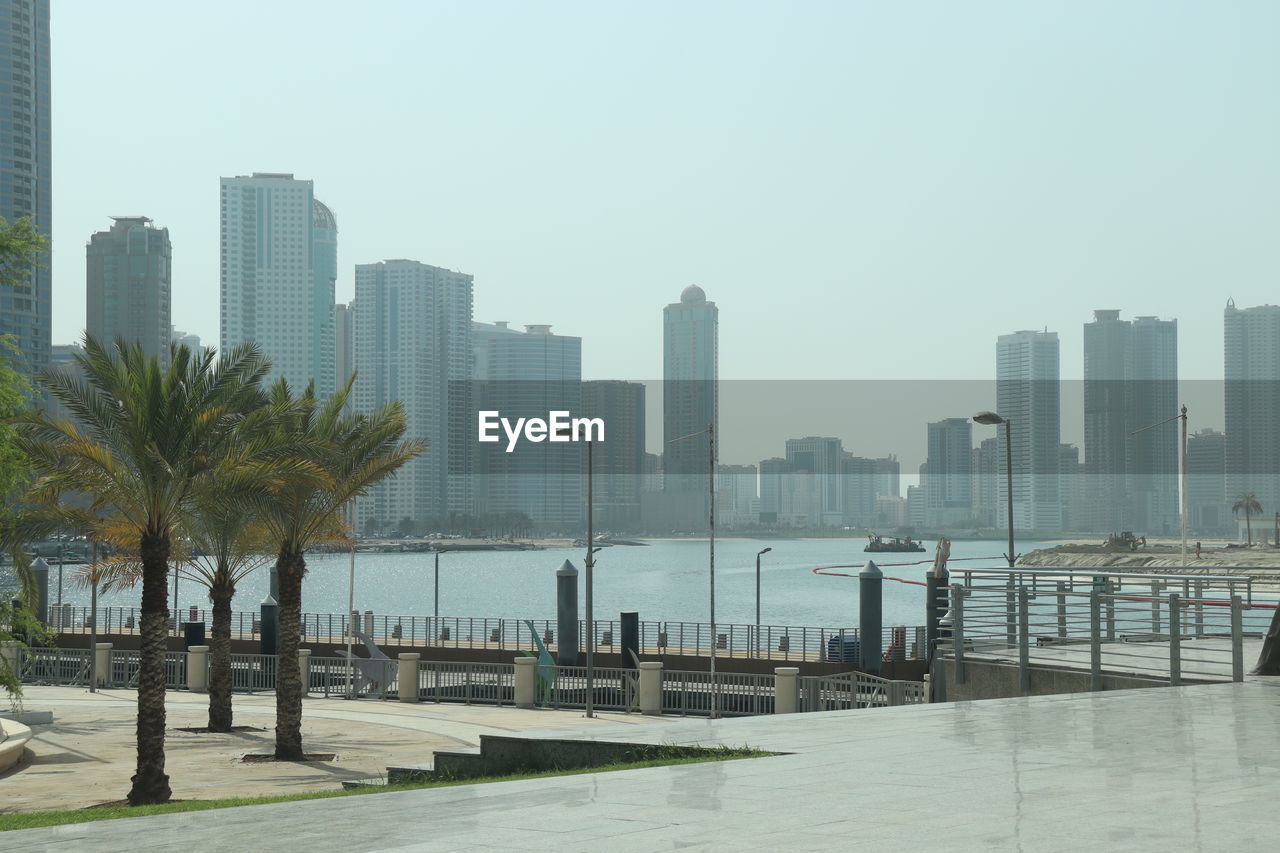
[[88, 755], [1189, 768]]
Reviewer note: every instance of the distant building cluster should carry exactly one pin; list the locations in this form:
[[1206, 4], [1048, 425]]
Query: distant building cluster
[[409, 336]]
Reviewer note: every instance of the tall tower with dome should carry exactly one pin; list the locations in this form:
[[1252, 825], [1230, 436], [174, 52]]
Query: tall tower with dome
[[690, 398]]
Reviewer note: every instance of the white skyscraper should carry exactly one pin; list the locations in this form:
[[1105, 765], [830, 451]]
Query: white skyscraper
[[1251, 338], [412, 342], [279, 265], [528, 374], [1028, 394]]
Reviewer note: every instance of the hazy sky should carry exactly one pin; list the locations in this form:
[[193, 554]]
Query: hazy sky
[[866, 189]]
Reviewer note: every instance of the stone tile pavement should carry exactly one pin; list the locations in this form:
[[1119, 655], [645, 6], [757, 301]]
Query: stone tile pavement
[[1170, 769], [87, 755]]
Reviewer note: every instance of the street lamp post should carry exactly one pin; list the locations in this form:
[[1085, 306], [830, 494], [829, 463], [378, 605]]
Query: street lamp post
[[1182, 473], [992, 419], [93, 622], [435, 597], [590, 564], [758, 556], [710, 433]]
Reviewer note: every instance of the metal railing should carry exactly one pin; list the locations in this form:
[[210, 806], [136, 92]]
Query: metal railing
[[851, 690], [614, 689], [54, 666], [732, 640], [124, 667], [1168, 628]]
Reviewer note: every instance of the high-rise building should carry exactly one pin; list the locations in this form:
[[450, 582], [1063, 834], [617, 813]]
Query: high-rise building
[[988, 487], [888, 477], [690, 398], [129, 284], [1131, 383], [187, 339], [737, 500], [522, 375], [63, 358], [1072, 487], [820, 458], [859, 480], [1208, 510], [1252, 391], [1028, 394], [25, 168], [948, 486], [344, 343], [618, 460], [279, 250], [772, 472], [413, 344]]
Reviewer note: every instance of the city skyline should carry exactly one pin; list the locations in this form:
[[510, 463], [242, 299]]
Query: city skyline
[[1149, 123]]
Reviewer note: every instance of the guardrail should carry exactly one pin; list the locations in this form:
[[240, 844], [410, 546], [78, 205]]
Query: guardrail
[[1172, 628], [614, 688], [732, 640], [857, 690]]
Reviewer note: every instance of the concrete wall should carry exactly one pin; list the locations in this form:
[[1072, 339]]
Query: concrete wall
[[990, 680]]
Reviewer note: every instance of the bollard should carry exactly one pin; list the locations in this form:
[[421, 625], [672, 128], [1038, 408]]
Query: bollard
[[651, 687], [408, 676], [525, 679], [102, 664], [304, 670], [368, 622], [198, 669], [567, 614], [870, 617], [935, 605], [629, 628], [270, 614], [786, 689]]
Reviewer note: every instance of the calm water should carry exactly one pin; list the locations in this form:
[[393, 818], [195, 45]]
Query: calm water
[[667, 580]]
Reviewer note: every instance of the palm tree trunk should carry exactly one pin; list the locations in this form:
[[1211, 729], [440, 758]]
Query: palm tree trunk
[[1248, 527], [291, 565], [150, 783], [220, 661]]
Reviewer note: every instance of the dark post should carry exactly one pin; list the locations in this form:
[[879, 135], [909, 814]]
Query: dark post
[[630, 629], [567, 614], [193, 634], [270, 634], [40, 571], [935, 605], [870, 619]]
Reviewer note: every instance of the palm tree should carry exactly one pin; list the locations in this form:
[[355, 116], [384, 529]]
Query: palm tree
[[348, 453], [143, 441], [227, 545], [1248, 504]]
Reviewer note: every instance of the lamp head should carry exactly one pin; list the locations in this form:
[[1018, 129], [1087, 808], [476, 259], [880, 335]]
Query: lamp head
[[988, 418]]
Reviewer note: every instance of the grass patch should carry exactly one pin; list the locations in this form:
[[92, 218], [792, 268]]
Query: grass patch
[[31, 820]]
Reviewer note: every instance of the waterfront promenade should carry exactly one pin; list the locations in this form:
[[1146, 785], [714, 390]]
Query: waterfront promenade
[[1186, 768]]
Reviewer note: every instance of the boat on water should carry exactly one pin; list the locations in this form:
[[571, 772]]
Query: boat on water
[[893, 545]]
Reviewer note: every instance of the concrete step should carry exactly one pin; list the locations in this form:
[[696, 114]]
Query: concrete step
[[409, 773], [371, 782]]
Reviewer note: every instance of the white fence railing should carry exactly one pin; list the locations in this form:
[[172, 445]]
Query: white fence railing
[[612, 689]]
